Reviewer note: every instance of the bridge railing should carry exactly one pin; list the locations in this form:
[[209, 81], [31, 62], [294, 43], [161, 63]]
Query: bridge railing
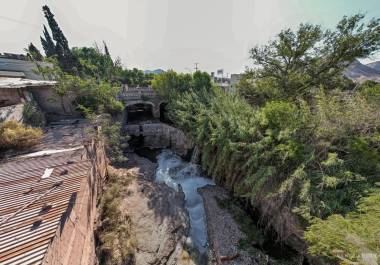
[[137, 92]]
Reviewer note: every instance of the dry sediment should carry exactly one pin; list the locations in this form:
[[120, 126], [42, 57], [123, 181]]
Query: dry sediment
[[224, 233]]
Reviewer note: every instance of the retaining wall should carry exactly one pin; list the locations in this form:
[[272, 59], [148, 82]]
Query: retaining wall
[[161, 135]]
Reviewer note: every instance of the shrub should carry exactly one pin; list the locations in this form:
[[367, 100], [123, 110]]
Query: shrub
[[32, 115], [115, 142], [371, 91], [353, 239], [14, 135], [98, 97], [90, 95], [339, 115]]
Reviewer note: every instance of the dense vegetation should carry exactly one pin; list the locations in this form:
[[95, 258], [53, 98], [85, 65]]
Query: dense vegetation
[[300, 142], [170, 84], [86, 76]]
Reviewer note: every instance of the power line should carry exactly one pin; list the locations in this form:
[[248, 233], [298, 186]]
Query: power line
[[19, 21]]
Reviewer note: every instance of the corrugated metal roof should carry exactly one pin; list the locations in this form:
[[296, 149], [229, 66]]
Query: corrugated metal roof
[[20, 65], [31, 208], [11, 74], [13, 82]]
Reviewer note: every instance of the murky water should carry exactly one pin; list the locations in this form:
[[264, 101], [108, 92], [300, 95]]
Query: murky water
[[175, 172]]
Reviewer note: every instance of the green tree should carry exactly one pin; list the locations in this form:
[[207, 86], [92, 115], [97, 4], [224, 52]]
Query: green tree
[[89, 95], [62, 50], [136, 78], [371, 91], [106, 51], [57, 33], [169, 84], [47, 43], [93, 62], [201, 80], [350, 239], [33, 53], [298, 61]]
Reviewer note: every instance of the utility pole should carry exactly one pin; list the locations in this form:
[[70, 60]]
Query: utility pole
[[196, 67]]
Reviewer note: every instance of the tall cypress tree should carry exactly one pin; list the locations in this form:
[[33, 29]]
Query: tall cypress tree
[[47, 43], [57, 33], [34, 53], [61, 49], [106, 51]]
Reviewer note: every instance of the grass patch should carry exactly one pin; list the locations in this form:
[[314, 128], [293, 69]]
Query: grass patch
[[14, 135]]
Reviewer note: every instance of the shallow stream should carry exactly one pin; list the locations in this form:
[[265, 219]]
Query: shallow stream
[[178, 174]]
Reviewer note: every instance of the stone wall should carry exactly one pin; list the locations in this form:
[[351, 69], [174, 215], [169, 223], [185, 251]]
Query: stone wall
[[160, 135], [74, 242], [13, 112], [52, 104], [11, 96]]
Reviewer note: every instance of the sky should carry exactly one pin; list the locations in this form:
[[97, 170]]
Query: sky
[[173, 34]]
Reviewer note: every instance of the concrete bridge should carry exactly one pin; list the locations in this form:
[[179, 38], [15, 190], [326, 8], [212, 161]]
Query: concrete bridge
[[144, 109], [141, 102]]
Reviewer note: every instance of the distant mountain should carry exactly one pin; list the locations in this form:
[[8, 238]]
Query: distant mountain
[[375, 65], [156, 72], [360, 73]]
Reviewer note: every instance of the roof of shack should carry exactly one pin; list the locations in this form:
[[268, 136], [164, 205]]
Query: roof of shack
[[38, 191], [16, 82]]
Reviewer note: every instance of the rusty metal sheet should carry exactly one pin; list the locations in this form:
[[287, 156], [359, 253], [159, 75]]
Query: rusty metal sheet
[[31, 208]]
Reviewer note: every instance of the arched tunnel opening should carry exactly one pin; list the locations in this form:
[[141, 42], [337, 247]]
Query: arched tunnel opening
[[139, 112]]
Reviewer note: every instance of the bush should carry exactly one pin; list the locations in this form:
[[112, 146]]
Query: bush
[[32, 115], [14, 135], [98, 97], [353, 239], [90, 95], [115, 142], [371, 91], [339, 115]]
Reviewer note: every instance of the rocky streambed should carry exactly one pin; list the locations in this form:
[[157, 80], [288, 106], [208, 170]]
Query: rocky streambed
[[186, 178], [177, 217], [159, 220]]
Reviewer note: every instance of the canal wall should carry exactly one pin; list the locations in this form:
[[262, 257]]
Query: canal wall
[[161, 135]]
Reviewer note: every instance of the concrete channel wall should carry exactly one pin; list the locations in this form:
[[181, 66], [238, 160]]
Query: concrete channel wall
[[161, 135]]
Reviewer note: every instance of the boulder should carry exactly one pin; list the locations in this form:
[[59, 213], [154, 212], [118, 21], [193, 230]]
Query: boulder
[[159, 222]]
